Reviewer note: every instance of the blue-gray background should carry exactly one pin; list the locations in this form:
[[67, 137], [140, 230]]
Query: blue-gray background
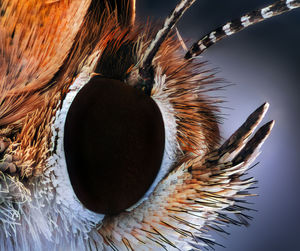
[[263, 62]]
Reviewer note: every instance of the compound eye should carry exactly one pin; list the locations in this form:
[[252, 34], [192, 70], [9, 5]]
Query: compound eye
[[114, 141]]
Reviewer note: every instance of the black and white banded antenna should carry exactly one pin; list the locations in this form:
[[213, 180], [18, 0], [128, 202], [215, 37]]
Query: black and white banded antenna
[[237, 25], [146, 70]]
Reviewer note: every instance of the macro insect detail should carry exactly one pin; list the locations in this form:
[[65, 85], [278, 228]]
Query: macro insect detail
[[108, 137]]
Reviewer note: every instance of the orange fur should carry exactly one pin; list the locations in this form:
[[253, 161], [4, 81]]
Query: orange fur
[[35, 39]]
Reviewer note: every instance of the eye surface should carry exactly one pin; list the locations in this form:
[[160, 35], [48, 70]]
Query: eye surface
[[114, 145]]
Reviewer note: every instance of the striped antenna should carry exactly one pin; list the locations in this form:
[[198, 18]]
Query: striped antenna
[[237, 25], [146, 69], [169, 24]]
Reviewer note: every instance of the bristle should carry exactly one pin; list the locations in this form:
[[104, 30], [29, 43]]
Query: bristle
[[237, 25], [181, 41]]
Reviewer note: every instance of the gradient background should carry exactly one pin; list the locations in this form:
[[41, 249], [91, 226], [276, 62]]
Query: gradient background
[[263, 63]]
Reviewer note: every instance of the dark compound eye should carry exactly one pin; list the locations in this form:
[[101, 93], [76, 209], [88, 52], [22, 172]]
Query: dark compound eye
[[114, 144]]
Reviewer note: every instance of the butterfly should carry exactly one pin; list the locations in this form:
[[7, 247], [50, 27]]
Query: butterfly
[[109, 139]]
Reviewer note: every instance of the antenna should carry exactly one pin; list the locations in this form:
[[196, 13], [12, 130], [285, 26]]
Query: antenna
[[239, 24]]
